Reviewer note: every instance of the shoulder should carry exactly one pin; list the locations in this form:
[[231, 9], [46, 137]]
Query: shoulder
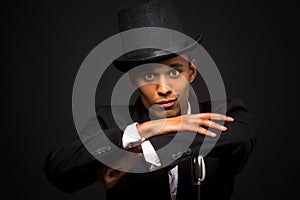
[[230, 104], [114, 115]]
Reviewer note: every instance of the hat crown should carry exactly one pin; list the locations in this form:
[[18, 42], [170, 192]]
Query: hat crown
[[150, 31], [149, 13]]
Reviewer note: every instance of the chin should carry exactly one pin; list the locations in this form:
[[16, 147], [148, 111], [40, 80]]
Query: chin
[[172, 113], [160, 114]]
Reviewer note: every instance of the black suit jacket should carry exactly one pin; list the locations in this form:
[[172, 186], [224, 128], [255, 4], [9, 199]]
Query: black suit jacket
[[71, 167]]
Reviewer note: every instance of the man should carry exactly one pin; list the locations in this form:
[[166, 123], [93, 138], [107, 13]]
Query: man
[[163, 110]]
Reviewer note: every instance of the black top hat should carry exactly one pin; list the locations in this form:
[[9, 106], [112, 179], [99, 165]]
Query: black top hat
[[151, 13]]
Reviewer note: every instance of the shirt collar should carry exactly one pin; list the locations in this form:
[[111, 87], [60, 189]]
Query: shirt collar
[[189, 111]]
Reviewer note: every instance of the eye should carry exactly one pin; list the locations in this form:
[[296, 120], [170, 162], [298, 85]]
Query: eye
[[174, 73], [149, 76]]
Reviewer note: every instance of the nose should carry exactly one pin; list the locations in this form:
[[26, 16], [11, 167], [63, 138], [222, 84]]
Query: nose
[[163, 89]]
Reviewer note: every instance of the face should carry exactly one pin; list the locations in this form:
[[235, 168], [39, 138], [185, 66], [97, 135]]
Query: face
[[164, 87]]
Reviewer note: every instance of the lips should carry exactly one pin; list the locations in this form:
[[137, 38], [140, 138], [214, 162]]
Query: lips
[[167, 103]]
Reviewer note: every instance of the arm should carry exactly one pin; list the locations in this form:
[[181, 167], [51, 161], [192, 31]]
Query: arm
[[234, 145], [71, 167]]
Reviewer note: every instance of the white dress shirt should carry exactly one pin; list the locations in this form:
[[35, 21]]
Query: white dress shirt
[[132, 138]]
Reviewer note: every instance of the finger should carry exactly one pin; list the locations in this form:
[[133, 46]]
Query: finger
[[214, 125], [204, 131], [216, 116]]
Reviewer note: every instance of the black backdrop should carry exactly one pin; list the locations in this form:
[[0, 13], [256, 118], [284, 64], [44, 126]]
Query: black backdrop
[[254, 43]]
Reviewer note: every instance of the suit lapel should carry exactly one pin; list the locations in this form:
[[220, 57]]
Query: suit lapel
[[185, 189]]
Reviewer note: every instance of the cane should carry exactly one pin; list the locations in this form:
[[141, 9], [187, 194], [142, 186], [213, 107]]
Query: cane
[[198, 172]]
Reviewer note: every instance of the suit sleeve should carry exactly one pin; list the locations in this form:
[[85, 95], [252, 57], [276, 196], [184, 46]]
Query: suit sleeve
[[72, 166], [233, 147]]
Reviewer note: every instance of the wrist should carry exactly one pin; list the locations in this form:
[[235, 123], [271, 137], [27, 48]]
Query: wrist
[[173, 124], [158, 127], [144, 130]]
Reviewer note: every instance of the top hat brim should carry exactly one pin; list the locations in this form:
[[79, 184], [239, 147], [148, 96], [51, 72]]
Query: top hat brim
[[125, 63]]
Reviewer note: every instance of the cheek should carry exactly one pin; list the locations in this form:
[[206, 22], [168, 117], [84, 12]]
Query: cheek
[[147, 91], [182, 88]]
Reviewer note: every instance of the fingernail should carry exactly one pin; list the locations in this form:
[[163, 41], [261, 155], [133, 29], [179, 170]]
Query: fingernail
[[230, 118], [223, 128], [213, 135]]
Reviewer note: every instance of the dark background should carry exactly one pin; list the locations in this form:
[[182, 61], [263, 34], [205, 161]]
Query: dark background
[[254, 43]]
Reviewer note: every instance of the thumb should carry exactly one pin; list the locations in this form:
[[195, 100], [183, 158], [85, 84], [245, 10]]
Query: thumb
[[110, 177]]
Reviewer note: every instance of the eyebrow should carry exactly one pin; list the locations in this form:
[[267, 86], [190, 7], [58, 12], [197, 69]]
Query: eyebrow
[[174, 65]]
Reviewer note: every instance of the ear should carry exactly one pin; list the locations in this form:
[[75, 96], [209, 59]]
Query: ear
[[108, 177], [192, 71]]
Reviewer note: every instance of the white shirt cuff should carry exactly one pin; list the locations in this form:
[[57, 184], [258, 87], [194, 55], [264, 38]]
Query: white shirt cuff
[[132, 138]]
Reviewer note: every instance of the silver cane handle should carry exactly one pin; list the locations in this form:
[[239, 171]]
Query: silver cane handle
[[198, 170]]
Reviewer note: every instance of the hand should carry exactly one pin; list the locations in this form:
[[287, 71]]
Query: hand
[[108, 176], [194, 122]]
